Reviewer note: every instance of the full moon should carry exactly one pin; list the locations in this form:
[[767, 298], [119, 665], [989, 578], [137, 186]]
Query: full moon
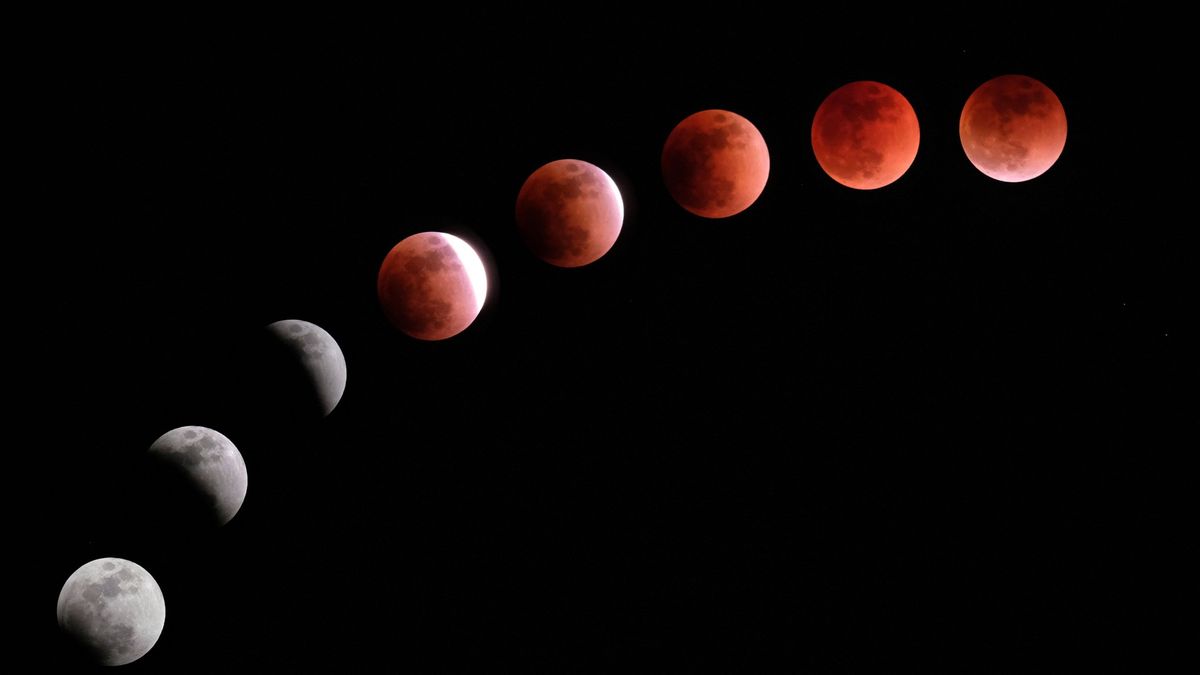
[[210, 465], [569, 213], [865, 135], [114, 609], [320, 357], [432, 285], [1013, 128], [715, 163]]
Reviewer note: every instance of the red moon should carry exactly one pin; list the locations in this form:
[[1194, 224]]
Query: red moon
[[715, 163], [1013, 128], [569, 212], [432, 285], [865, 135]]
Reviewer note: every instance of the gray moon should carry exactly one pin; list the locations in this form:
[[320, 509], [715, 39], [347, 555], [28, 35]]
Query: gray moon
[[320, 356], [114, 609], [210, 463]]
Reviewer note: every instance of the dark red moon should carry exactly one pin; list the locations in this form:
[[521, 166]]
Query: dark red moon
[[569, 213], [715, 163], [865, 135], [1013, 128], [432, 285]]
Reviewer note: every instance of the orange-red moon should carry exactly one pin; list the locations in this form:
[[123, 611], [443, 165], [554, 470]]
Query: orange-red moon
[[865, 135], [1013, 128], [432, 285], [715, 163], [569, 213]]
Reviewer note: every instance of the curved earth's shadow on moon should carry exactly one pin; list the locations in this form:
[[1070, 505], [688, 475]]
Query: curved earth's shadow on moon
[[203, 467]]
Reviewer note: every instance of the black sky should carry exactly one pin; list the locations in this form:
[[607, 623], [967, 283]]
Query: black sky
[[842, 431]]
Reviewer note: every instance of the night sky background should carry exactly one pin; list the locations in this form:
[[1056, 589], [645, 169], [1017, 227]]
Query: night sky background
[[842, 431]]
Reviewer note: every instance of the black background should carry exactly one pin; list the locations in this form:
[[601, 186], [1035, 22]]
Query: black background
[[841, 431]]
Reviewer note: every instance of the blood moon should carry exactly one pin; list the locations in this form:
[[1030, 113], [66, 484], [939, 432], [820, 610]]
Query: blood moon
[[865, 135], [715, 163], [569, 213], [1013, 128], [432, 285]]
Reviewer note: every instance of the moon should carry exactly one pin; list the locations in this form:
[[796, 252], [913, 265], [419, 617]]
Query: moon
[[1013, 128], [320, 357], [432, 285], [114, 609], [715, 163], [865, 135], [210, 466], [569, 213]]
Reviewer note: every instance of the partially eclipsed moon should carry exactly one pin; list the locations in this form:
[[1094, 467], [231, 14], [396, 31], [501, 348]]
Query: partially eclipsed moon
[[715, 163], [432, 285], [1013, 128], [865, 135], [320, 357], [211, 466], [114, 609], [569, 213]]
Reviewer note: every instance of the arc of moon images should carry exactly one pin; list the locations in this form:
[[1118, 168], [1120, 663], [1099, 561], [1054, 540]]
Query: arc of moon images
[[320, 357], [715, 163], [113, 609], [211, 465], [432, 285], [1013, 128], [569, 213], [865, 135]]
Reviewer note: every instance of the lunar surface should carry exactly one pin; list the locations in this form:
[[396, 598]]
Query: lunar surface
[[318, 355], [1013, 128], [865, 135], [210, 465], [112, 608], [715, 163], [432, 285], [569, 213]]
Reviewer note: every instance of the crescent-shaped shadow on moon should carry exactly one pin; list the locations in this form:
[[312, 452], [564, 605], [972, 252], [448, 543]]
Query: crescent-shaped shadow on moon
[[208, 471], [316, 363]]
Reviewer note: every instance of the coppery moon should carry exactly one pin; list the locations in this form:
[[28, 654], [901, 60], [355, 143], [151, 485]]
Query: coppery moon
[[1013, 128], [569, 212], [432, 285], [715, 163], [865, 135]]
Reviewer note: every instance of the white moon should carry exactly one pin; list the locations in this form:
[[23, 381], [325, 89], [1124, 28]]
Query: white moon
[[114, 609], [320, 356], [212, 465]]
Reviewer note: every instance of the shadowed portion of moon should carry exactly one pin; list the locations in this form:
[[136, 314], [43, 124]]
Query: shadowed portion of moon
[[432, 285], [715, 163], [569, 212], [207, 468], [1013, 128], [865, 135], [113, 609], [315, 362]]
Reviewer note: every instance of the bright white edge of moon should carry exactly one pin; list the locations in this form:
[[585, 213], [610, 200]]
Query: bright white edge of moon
[[472, 263], [616, 193]]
